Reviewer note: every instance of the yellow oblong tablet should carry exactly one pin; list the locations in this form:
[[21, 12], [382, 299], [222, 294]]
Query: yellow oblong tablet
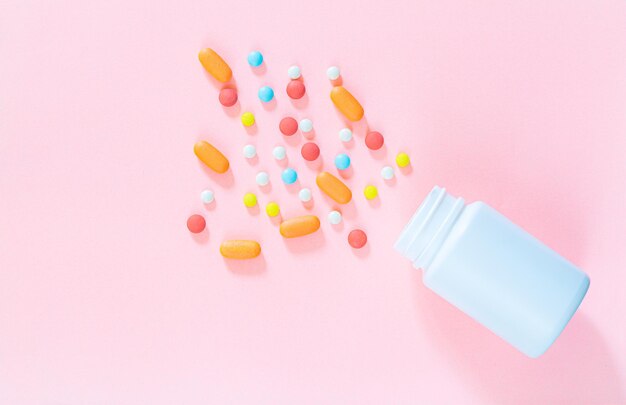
[[299, 226], [240, 249], [346, 103], [334, 188], [215, 65], [210, 156]]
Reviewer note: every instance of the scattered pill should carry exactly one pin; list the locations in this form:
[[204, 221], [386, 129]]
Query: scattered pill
[[345, 135], [207, 196], [310, 151], [196, 223], [262, 179], [333, 73], [249, 200], [374, 140], [215, 65], [334, 217], [299, 226], [403, 160], [370, 192], [240, 249], [289, 176], [288, 126], [346, 103], [306, 125], [228, 97], [247, 119], [357, 238], [342, 161], [305, 195], [255, 58], [249, 151], [387, 173], [266, 94], [333, 188], [272, 209], [296, 89], [294, 72], [279, 153], [210, 156]]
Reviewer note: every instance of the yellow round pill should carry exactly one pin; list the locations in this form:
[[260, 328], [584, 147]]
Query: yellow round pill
[[272, 209], [247, 119], [403, 160], [370, 192], [249, 200]]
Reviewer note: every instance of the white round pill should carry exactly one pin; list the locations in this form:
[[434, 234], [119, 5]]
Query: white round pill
[[294, 72], [345, 135], [387, 173], [262, 178], [334, 217], [333, 73], [306, 125], [249, 151], [207, 196], [305, 195], [279, 153]]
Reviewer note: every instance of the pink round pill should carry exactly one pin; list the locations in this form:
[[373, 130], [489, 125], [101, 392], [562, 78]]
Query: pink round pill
[[310, 151], [357, 238], [295, 89], [228, 97], [196, 223], [288, 126], [374, 140]]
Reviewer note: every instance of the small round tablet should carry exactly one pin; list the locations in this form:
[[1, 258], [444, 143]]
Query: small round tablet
[[403, 160], [306, 125], [387, 173], [374, 140], [196, 223], [342, 161], [255, 58], [279, 153], [207, 196], [228, 97], [249, 200], [310, 151], [333, 73], [296, 89], [288, 126], [247, 119], [266, 94], [249, 151], [345, 135], [305, 195], [272, 209], [357, 238], [294, 72], [262, 178], [334, 217], [289, 176], [370, 192]]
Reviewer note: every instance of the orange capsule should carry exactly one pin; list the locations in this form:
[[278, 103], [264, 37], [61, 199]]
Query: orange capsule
[[215, 65], [299, 226], [210, 156], [346, 103], [240, 249], [334, 188]]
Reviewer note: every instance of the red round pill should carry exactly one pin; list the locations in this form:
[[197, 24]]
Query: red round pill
[[228, 97], [374, 140], [196, 223], [357, 238], [288, 126], [295, 89], [310, 151]]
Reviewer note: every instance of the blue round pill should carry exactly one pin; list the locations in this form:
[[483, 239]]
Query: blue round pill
[[289, 176], [266, 94], [255, 58], [342, 161]]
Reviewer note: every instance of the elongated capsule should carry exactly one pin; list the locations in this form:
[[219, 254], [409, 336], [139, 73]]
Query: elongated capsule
[[299, 226], [334, 188], [240, 249], [215, 65], [210, 156], [346, 103]]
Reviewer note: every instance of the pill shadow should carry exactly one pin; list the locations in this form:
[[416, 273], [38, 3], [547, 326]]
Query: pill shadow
[[266, 188], [283, 162], [293, 140], [294, 188], [305, 243], [259, 70], [350, 144], [337, 82], [309, 135], [232, 111], [308, 204], [276, 220], [253, 161], [225, 180], [391, 182], [247, 267], [210, 206], [375, 203], [379, 154], [252, 129], [346, 173], [407, 170], [363, 252], [255, 211], [232, 83], [315, 165], [270, 105], [348, 211], [302, 102], [201, 238], [338, 227]]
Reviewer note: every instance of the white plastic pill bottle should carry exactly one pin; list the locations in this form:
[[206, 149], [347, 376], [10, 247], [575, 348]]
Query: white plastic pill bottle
[[493, 270]]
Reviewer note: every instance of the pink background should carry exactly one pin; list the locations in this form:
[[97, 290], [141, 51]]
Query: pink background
[[105, 297]]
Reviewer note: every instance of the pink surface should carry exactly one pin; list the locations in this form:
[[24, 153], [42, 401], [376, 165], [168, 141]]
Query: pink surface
[[105, 297]]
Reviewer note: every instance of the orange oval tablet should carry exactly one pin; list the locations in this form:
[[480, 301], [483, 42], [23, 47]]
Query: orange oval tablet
[[299, 226], [210, 156], [240, 249], [346, 103], [334, 188], [215, 65]]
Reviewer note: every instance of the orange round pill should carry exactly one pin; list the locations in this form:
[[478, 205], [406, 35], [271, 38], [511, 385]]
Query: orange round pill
[[288, 126], [296, 89], [228, 97], [374, 140], [196, 223], [357, 238], [310, 151]]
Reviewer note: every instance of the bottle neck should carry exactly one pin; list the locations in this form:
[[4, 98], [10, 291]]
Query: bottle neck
[[428, 228]]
